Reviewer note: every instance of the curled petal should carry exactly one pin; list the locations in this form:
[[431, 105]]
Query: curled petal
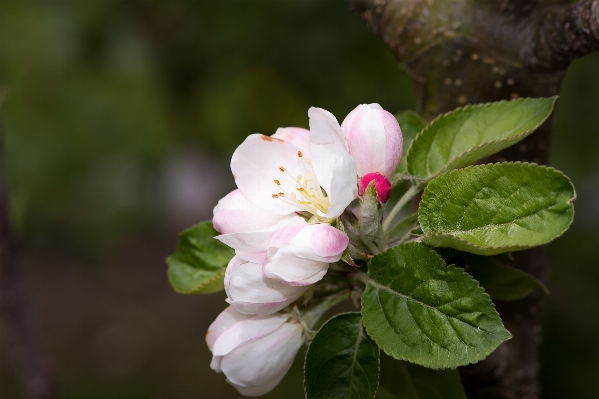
[[333, 165], [250, 291], [287, 266], [256, 367], [225, 320], [249, 329], [254, 241]]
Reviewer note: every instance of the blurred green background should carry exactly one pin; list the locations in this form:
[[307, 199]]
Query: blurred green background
[[120, 118]]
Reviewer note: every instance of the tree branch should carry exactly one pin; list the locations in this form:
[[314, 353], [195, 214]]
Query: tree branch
[[21, 336], [562, 35], [474, 51]]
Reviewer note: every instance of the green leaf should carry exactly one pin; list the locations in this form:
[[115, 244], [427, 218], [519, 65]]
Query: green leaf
[[501, 281], [199, 262], [403, 228], [417, 309], [403, 380], [490, 209], [465, 135], [411, 124], [342, 362]]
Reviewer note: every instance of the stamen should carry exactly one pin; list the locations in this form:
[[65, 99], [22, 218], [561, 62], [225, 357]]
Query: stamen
[[275, 196], [278, 183], [299, 154], [281, 194], [282, 169]]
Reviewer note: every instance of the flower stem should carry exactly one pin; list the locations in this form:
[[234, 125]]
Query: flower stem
[[311, 317], [412, 191]]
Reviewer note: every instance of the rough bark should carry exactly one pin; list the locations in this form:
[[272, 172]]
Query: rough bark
[[21, 337], [472, 51]]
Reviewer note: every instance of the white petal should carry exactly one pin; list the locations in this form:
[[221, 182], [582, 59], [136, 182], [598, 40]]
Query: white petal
[[334, 167], [257, 240], [256, 367], [235, 214], [287, 266], [215, 363], [258, 162], [225, 320], [320, 242], [295, 135], [260, 257], [250, 291], [251, 328]]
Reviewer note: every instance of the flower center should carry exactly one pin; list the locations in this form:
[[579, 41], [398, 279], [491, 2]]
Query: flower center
[[302, 190]]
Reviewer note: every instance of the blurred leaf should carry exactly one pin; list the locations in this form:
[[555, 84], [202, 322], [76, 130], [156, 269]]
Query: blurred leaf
[[501, 281], [418, 309], [491, 209], [342, 362], [411, 124], [465, 135], [404, 380], [199, 262]]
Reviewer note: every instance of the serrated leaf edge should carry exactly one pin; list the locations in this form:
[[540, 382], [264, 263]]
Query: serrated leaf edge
[[468, 107], [478, 287], [501, 249]]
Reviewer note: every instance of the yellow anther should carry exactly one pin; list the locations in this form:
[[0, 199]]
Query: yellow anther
[[299, 154], [282, 169], [275, 196], [278, 183], [281, 194]]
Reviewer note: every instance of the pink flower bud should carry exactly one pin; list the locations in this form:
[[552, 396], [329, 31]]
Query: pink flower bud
[[374, 140], [381, 185]]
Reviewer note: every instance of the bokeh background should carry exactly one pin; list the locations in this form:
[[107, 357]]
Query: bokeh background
[[120, 118]]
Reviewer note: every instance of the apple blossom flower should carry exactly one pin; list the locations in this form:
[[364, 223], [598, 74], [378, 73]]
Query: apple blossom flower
[[250, 291], [283, 175], [374, 140], [254, 352], [295, 252]]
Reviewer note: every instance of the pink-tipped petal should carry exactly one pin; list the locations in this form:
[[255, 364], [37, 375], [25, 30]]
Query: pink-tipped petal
[[374, 140], [250, 291], [297, 136]]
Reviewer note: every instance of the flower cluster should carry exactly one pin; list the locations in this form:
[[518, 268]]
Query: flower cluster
[[292, 188]]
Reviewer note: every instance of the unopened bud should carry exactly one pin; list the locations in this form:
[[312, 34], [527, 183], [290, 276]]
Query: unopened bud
[[381, 185], [374, 140]]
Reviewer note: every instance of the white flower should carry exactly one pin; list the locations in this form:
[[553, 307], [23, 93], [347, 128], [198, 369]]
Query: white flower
[[284, 175], [254, 352], [250, 291], [374, 140]]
